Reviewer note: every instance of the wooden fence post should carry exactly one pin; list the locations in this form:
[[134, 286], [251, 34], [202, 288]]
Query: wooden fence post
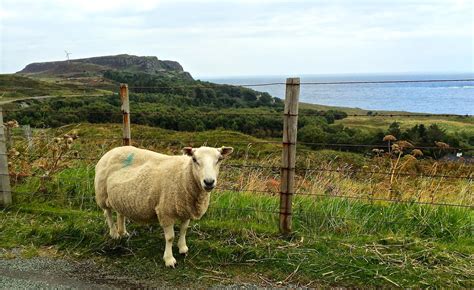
[[28, 136], [126, 114], [290, 127], [5, 189]]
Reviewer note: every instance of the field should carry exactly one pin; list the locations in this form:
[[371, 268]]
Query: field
[[345, 233], [459, 125], [15, 87], [361, 217]]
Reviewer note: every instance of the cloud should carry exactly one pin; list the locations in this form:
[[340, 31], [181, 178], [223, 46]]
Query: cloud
[[203, 34]]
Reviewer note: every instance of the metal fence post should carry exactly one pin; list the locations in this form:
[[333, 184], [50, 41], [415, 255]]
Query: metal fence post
[[5, 189], [290, 127], [126, 114]]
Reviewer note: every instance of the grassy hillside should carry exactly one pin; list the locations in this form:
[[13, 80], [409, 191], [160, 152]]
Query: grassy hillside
[[450, 124], [15, 86]]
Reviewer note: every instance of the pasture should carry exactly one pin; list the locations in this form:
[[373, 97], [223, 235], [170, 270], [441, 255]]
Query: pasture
[[349, 228]]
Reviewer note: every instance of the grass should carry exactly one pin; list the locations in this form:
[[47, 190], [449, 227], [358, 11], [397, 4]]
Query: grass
[[336, 242], [96, 139], [373, 123], [19, 87]]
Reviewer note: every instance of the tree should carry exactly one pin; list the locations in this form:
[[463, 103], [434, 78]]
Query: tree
[[394, 129], [312, 134]]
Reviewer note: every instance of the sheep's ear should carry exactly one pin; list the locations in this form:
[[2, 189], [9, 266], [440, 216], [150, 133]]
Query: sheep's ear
[[188, 151], [226, 150]]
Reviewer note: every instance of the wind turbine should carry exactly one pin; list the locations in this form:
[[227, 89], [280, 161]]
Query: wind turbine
[[67, 55]]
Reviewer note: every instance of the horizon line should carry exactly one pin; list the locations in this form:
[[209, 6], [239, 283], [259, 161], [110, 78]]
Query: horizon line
[[333, 74]]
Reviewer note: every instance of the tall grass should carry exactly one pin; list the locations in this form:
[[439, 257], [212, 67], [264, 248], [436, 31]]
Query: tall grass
[[336, 241]]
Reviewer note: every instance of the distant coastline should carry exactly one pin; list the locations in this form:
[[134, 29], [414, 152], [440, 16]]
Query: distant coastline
[[435, 98]]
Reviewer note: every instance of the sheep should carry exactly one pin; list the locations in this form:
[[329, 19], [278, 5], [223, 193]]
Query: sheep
[[143, 186]]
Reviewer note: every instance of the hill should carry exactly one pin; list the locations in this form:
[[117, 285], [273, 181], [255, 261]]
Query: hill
[[97, 66]]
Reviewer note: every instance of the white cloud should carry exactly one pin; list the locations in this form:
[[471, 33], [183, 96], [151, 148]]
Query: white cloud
[[202, 34]]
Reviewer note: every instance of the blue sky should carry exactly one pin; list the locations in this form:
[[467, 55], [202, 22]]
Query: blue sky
[[225, 38]]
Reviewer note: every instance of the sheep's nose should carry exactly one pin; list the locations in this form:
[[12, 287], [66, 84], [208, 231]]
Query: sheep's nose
[[209, 182]]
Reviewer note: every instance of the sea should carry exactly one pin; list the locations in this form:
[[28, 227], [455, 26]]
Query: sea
[[431, 97]]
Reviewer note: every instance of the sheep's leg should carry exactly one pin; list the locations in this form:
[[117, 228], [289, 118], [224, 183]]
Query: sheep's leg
[[110, 222], [183, 249], [121, 229], [170, 261]]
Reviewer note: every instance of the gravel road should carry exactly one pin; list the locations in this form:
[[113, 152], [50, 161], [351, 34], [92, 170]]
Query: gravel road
[[44, 272]]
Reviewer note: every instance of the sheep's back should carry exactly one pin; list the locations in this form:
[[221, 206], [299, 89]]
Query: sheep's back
[[136, 180]]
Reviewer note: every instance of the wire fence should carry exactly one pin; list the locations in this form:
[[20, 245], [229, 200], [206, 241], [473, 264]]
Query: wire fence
[[275, 168], [314, 195], [224, 113], [303, 171], [273, 142]]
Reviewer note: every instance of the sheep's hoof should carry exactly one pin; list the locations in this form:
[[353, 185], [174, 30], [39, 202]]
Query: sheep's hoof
[[183, 250], [114, 235], [170, 262]]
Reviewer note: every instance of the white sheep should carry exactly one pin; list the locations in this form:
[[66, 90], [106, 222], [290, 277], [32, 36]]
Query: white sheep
[[143, 185]]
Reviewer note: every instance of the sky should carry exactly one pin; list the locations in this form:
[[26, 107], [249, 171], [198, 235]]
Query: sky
[[212, 38]]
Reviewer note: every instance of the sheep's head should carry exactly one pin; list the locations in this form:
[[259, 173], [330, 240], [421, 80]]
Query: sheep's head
[[205, 163]]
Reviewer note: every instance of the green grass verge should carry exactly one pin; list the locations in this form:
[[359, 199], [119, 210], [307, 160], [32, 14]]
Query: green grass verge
[[336, 242]]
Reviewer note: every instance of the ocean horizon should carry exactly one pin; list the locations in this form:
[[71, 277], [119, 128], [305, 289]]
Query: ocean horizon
[[430, 98]]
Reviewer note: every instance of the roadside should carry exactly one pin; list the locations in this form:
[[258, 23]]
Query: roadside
[[58, 273]]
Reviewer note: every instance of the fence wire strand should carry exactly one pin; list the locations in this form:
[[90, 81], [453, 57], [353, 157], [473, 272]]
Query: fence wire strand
[[360, 198], [304, 170], [217, 113]]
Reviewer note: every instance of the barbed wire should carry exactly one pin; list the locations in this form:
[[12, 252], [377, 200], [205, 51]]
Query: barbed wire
[[255, 166], [320, 113], [393, 115], [299, 213], [388, 82], [382, 146], [306, 83], [427, 175], [297, 169], [154, 140], [319, 144], [387, 200], [216, 85], [146, 113], [362, 198], [276, 168]]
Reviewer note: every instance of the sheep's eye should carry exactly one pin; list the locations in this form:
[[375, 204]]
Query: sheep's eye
[[195, 160]]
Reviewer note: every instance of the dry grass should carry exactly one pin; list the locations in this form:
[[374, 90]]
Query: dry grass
[[382, 176]]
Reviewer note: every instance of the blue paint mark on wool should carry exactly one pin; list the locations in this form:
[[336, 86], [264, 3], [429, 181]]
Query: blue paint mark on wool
[[128, 161]]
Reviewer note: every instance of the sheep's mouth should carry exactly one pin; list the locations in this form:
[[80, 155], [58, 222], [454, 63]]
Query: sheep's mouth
[[209, 188]]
